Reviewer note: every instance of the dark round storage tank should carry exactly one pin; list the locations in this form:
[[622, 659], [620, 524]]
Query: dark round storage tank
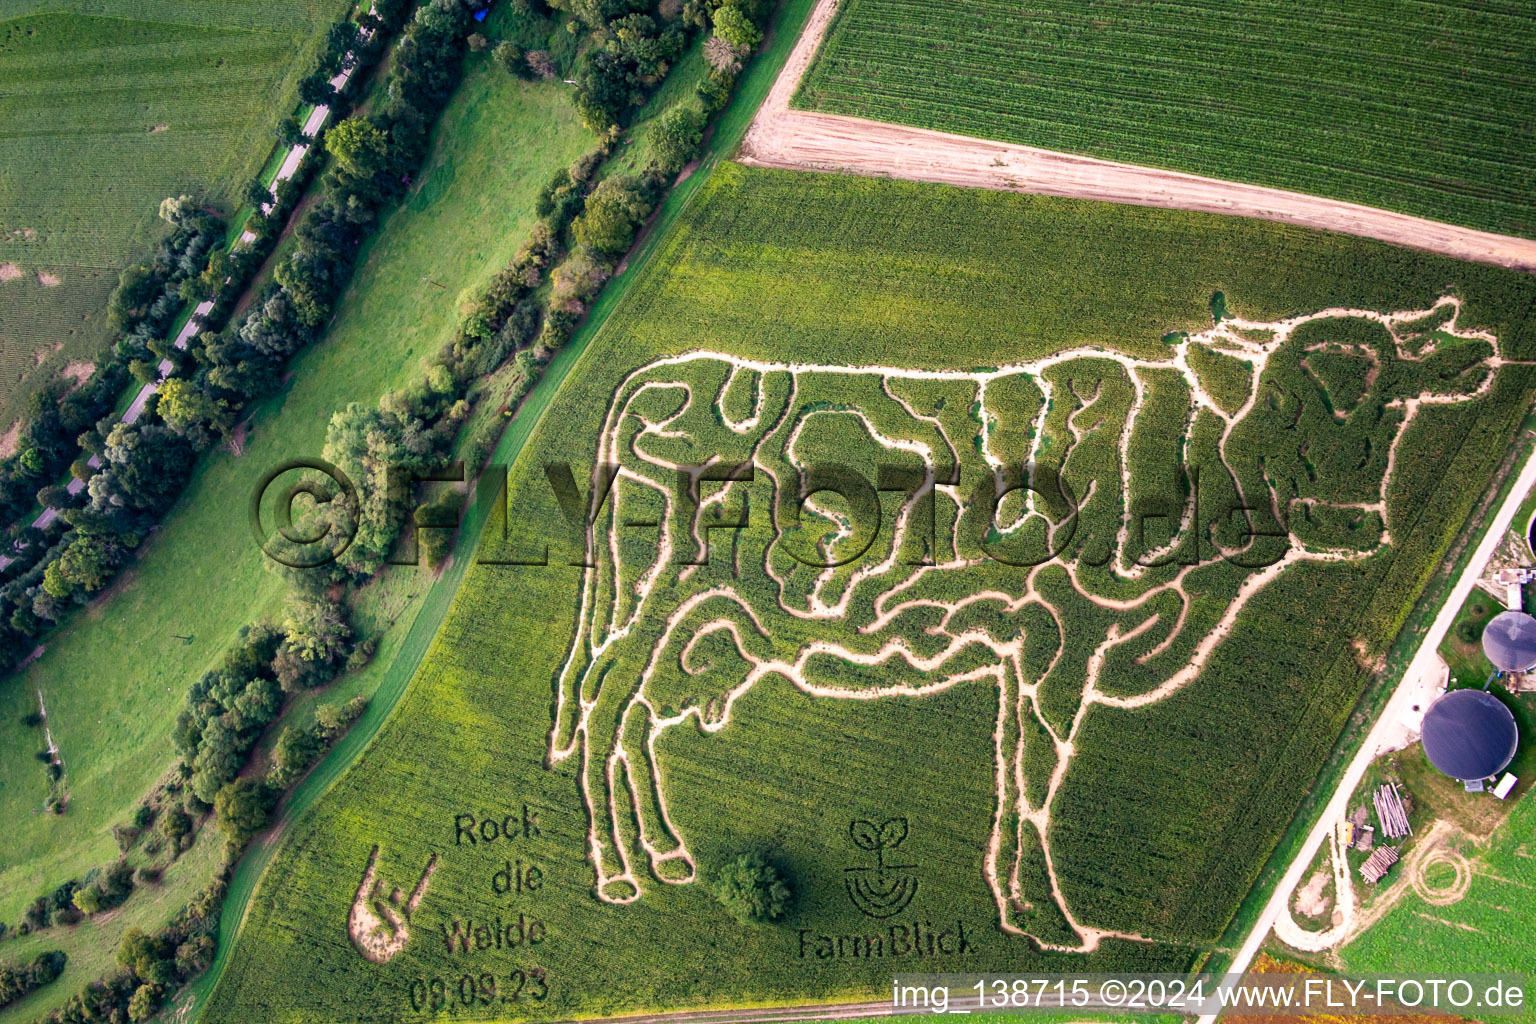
[[1509, 640], [1469, 734]]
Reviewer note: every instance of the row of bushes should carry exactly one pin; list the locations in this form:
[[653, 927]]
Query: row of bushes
[[586, 226], [591, 223], [150, 966], [143, 306], [16, 980]]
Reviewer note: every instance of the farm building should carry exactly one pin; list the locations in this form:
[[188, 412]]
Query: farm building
[[1509, 640], [1469, 734]]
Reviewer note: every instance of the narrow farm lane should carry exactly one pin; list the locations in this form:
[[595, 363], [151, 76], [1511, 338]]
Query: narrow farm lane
[[801, 140]]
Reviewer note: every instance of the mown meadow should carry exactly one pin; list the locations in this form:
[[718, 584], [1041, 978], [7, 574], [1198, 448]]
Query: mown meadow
[[1165, 819], [1419, 108], [106, 108]]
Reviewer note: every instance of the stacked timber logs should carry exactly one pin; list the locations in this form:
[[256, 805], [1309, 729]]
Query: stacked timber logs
[[1377, 863], [1389, 808]]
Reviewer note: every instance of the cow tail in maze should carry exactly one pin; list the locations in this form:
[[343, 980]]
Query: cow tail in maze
[[1078, 532]]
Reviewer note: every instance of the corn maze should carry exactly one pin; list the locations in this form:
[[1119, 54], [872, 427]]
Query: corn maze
[[1078, 531]]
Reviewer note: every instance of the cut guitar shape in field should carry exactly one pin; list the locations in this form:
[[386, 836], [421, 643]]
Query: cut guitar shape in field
[[1182, 509]]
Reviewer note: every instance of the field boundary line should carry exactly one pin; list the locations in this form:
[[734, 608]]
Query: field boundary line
[[780, 137]]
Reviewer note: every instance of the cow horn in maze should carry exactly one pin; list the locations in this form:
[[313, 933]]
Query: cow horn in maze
[[1195, 479]]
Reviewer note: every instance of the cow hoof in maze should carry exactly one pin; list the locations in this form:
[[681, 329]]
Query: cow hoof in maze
[[676, 868], [618, 890]]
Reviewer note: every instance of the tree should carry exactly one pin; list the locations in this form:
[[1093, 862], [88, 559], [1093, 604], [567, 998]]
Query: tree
[[676, 136], [290, 132], [145, 1001], [510, 56], [256, 194], [175, 823], [733, 25], [751, 891], [358, 146], [295, 749], [86, 566], [316, 89], [604, 89], [88, 900], [196, 954], [138, 951], [241, 808], [176, 209], [477, 42], [614, 210], [317, 639], [542, 63], [145, 466], [196, 415], [722, 56]]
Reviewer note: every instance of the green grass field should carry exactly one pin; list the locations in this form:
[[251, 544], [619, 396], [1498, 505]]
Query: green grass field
[[1486, 930], [1180, 804], [92, 944], [106, 108], [1420, 108], [114, 678]]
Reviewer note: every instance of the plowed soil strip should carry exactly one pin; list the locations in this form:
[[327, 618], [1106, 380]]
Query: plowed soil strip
[[800, 140]]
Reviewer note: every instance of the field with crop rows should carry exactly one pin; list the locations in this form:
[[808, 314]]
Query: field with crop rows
[[1166, 812], [1421, 108], [106, 108]]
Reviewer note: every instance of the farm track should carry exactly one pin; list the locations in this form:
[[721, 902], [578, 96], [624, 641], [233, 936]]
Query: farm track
[[801, 140]]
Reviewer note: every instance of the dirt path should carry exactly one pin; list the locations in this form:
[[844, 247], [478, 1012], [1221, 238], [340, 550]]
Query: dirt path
[[801, 140]]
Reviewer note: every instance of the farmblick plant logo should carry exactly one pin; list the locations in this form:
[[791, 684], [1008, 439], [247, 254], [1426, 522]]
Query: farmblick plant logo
[[881, 890]]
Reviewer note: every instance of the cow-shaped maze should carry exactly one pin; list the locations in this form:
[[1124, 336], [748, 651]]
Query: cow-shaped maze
[[1076, 531]]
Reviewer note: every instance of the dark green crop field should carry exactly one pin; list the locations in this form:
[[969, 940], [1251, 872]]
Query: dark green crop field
[[535, 831], [106, 108], [1420, 107]]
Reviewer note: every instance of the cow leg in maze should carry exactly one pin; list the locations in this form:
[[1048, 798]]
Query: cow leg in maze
[[669, 858], [605, 786]]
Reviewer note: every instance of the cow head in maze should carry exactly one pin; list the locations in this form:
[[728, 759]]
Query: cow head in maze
[[1074, 531]]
